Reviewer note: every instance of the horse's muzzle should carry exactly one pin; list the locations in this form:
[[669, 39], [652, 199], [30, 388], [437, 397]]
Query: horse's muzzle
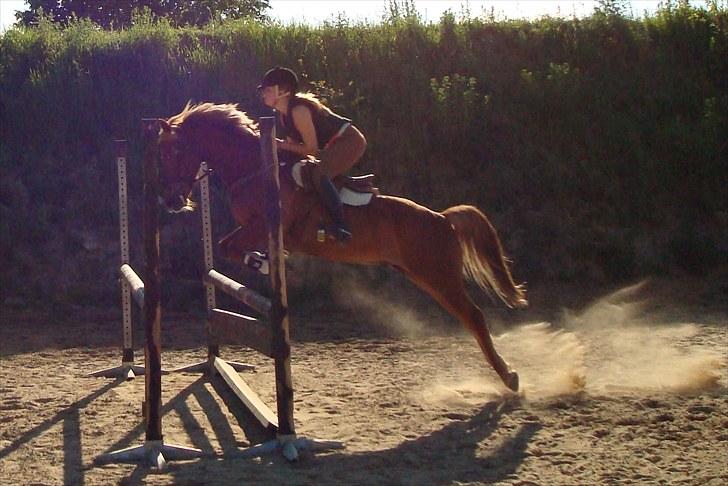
[[174, 196]]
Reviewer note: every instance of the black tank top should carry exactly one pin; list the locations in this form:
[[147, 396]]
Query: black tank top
[[326, 124]]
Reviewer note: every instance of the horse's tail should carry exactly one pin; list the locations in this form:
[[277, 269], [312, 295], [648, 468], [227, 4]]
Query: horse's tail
[[483, 258]]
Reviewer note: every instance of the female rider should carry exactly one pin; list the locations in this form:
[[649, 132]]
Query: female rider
[[313, 129]]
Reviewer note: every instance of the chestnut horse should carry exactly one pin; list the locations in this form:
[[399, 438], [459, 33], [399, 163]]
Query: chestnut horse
[[434, 250]]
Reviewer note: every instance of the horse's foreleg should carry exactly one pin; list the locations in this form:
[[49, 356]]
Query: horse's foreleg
[[243, 239]]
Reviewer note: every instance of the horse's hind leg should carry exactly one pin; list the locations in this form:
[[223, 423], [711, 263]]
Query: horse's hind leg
[[440, 275], [460, 305]]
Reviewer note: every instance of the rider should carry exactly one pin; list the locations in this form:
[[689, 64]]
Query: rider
[[313, 129]]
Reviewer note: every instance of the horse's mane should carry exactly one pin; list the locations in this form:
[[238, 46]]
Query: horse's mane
[[223, 114]]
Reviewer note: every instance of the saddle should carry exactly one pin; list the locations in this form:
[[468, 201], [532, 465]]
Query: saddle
[[354, 191]]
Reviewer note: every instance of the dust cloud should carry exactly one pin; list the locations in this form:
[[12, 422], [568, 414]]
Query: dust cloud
[[630, 347], [382, 307], [618, 343], [550, 361]]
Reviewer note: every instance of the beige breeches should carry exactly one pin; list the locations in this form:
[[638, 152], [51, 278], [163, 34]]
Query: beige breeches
[[342, 153]]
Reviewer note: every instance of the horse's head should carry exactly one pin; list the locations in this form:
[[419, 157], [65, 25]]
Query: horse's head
[[221, 135], [177, 169]]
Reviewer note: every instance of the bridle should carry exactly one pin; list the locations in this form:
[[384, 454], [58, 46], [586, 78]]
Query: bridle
[[166, 181]]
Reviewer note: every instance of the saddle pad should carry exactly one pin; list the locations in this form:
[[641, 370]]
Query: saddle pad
[[352, 198], [348, 197]]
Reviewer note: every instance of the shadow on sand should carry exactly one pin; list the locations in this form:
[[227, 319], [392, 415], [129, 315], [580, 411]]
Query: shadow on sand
[[458, 452]]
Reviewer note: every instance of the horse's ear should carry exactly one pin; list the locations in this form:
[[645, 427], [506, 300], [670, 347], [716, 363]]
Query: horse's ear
[[166, 127]]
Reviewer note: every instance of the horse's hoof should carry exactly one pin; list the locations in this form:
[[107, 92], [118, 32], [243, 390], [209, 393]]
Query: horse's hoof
[[511, 380]]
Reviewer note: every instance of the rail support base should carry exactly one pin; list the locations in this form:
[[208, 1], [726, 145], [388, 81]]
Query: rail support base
[[289, 446], [127, 371], [153, 453]]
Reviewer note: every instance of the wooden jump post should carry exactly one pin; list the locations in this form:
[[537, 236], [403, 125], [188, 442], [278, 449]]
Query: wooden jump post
[[271, 340], [154, 451], [131, 284]]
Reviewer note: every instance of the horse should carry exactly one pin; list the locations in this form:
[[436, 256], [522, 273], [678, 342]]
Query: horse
[[436, 251]]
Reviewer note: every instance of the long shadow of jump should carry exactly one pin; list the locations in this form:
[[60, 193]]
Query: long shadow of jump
[[72, 462], [71, 425], [456, 453], [217, 418]]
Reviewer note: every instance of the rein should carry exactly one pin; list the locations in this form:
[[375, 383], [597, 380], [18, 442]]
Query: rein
[[240, 183], [243, 181]]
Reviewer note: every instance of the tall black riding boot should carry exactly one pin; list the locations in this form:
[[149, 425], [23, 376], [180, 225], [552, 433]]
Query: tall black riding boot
[[332, 202]]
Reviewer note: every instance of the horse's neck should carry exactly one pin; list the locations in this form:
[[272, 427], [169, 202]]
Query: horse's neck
[[231, 160], [226, 168]]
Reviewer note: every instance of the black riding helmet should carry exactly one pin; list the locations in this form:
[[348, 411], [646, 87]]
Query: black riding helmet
[[282, 77]]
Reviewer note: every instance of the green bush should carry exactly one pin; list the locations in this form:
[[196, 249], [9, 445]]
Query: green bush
[[596, 145]]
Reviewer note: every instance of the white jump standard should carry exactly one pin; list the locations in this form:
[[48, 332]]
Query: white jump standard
[[131, 284]]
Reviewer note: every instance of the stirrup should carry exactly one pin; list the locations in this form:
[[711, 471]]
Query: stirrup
[[257, 261]]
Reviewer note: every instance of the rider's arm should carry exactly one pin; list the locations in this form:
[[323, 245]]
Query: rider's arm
[[304, 124]]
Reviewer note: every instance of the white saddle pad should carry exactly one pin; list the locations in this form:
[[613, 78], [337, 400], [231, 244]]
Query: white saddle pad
[[348, 197]]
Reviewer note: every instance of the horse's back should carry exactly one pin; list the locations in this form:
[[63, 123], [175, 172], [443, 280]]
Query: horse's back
[[413, 228], [386, 230]]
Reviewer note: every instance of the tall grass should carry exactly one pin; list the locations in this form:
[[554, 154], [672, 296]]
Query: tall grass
[[597, 145]]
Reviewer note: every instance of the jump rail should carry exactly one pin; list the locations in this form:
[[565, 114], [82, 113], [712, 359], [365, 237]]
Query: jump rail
[[134, 284]]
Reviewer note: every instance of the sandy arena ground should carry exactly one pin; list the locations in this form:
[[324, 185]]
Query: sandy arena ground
[[618, 390]]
